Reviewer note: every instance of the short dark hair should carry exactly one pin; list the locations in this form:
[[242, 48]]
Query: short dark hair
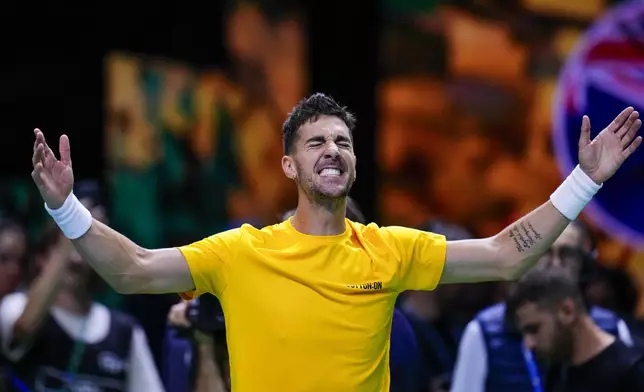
[[310, 109], [546, 287], [9, 224]]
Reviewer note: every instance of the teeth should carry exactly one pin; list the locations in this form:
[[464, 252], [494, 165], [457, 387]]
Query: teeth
[[330, 172]]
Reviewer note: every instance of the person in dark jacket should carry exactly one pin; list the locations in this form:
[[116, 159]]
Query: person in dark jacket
[[551, 314], [491, 356]]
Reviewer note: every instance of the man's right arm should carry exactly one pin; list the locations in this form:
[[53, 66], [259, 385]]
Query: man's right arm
[[129, 268], [125, 266]]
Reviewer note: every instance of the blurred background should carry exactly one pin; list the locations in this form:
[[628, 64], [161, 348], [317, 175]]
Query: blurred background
[[468, 113]]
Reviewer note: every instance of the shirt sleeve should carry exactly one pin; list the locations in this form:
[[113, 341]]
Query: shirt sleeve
[[210, 261], [421, 256], [11, 309], [143, 374], [470, 371]]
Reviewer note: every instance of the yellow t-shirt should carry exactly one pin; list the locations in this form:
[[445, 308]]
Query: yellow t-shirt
[[312, 313]]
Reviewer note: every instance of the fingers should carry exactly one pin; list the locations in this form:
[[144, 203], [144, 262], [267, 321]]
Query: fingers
[[64, 150], [47, 156], [631, 149], [35, 174], [619, 121], [40, 138], [40, 177], [584, 137], [39, 155], [632, 119], [629, 134]]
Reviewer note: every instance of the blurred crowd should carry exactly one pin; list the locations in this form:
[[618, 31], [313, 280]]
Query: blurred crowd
[[464, 103], [60, 331]]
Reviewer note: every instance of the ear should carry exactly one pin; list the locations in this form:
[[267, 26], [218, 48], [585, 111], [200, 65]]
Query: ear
[[567, 311], [288, 166]]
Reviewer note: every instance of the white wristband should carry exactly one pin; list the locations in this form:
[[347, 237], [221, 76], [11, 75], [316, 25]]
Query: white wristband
[[72, 217], [574, 193]]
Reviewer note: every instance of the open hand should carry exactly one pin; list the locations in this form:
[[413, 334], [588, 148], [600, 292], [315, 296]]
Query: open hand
[[54, 178], [601, 157]]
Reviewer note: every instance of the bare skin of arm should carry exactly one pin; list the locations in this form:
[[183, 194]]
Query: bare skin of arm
[[124, 265], [209, 377], [129, 268], [507, 255], [513, 251]]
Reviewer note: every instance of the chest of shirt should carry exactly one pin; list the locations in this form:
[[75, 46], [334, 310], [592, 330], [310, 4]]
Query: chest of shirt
[[340, 268], [312, 286]]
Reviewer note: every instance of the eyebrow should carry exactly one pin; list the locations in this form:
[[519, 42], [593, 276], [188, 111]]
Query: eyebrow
[[321, 139]]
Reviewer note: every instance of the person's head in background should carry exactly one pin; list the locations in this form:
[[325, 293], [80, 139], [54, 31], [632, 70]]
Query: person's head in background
[[612, 288], [576, 240], [13, 251], [548, 310], [80, 279], [575, 250], [353, 212]]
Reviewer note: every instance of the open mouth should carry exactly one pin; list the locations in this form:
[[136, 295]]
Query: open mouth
[[330, 172]]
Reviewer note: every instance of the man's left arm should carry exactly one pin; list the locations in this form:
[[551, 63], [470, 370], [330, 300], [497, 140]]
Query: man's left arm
[[507, 255]]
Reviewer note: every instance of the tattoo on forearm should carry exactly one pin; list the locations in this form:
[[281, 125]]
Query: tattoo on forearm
[[524, 236]]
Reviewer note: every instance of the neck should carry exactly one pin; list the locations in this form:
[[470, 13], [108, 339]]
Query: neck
[[588, 341], [73, 302], [316, 218]]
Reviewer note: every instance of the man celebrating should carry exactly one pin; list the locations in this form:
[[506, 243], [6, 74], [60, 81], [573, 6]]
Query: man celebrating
[[308, 302]]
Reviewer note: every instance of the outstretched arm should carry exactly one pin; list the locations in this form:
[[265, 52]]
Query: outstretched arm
[[127, 267], [507, 255], [131, 269]]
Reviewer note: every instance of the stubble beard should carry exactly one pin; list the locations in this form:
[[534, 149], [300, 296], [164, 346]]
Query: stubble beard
[[317, 195]]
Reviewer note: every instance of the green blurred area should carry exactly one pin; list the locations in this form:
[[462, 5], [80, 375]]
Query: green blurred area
[[174, 200], [410, 6]]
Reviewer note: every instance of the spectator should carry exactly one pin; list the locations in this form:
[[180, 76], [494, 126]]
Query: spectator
[[207, 353], [614, 289], [13, 249], [57, 337], [437, 331], [554, 322], [491, 357]]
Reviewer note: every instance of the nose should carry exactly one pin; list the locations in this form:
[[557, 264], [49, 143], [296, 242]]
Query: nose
[[331, 151], [556, 261], [529, 342]]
